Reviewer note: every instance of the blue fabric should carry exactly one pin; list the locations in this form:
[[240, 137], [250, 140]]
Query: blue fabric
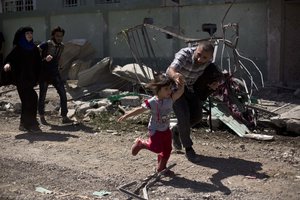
[[25, 44]]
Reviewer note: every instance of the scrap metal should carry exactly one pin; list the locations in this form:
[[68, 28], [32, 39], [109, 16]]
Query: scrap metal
[[243, 116], [144, 184]]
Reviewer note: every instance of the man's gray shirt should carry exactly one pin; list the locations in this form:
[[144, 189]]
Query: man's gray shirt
[[184, 64]]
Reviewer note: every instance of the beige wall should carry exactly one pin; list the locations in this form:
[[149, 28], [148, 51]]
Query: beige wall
[[101, 28], [120, 20], [12, 25], [82, 26], [250, 17], [274, 50], [291, 59], [252, 21]]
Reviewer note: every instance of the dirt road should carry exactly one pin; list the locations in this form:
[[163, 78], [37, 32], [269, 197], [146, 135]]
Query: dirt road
[[73, 162]]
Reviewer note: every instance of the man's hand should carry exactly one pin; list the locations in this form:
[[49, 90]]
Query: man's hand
[[178, 78], [175, 76], [48, 58], [7, 67]]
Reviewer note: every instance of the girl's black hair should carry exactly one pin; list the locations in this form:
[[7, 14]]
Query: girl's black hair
[[160, 80]]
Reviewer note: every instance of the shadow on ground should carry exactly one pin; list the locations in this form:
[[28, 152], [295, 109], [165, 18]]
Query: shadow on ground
[[45, 136], [227, 167], [70, 127]]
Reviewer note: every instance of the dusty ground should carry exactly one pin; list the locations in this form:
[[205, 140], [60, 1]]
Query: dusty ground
[[75, 161]]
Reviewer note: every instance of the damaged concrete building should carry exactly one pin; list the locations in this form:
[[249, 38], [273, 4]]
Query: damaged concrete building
[[268, 29], [267, 33]]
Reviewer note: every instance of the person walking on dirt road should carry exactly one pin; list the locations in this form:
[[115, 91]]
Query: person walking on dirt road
[[51, 52], [160, 106], [23, 66]]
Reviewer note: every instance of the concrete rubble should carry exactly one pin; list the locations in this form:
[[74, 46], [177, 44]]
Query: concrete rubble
[[91, 87], [290, 120]]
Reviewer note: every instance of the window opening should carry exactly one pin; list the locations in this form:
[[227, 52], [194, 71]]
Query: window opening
[[106, 1], [17, 5]]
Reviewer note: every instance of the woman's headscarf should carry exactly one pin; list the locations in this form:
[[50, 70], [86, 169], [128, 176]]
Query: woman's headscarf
[[20, 39]]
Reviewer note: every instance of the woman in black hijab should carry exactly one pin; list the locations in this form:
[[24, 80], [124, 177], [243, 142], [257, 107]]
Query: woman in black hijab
[[23, 64]]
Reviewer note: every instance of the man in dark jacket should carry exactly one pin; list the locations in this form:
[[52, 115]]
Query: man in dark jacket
[[51, 52]]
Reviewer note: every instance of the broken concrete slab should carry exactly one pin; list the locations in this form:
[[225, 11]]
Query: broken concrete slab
[[132, 101], [293, 125], [75, 49], [81, 110], [95, 79], [133, 72], [95, 111], [108, 92], [103, 102], [289, 120], [76, 67], [98, 72]]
